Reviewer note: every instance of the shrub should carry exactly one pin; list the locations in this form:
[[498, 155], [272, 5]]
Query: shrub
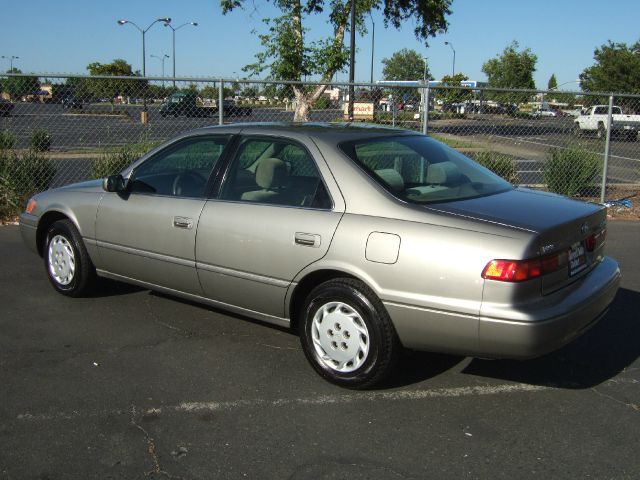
[[7, 140], [21, 176], [498, 163], [113, 161], [322, 103], [572, 170], [40, 141]]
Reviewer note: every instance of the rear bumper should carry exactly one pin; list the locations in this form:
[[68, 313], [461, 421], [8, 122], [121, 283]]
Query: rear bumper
[[565, 315]]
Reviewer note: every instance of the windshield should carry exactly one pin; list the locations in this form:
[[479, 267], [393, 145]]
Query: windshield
[[422, 170]]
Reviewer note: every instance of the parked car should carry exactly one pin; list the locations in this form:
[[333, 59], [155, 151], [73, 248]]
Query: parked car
[[544, 112], [6, 106], [595, 120], [71, 103], [364, 239], [186, 104]]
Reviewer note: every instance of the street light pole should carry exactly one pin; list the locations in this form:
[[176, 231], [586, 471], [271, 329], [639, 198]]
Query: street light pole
[[373, 40], [166, 21], [10, 58], [195, 24], [453, 70], [162, 59]]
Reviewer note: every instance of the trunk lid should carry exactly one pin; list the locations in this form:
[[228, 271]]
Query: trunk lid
[[562, 226]]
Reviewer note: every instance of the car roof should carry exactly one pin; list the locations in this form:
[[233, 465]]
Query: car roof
[[331, 132]]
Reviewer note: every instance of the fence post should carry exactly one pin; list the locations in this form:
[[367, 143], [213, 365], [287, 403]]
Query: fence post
[[607, 145], [221, 103], [425, 111]]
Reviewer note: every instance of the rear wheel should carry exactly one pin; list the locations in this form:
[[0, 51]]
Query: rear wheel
[[347, 334], [602, 132], [66, 260]]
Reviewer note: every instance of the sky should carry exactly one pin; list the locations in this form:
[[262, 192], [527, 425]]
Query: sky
[[64, 36]]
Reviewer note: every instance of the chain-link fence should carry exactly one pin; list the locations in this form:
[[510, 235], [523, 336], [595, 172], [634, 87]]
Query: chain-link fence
[[57, 129]]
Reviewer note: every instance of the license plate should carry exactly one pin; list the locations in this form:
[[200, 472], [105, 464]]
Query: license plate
[[577, 258]]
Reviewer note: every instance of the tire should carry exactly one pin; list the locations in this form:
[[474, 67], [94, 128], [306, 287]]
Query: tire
[[360, 346], [577, 132], [66, 260], [601, 132]]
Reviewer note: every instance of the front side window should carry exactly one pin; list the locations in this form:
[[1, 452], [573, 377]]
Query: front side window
[[180, 170], [277, 172], [418, 169]]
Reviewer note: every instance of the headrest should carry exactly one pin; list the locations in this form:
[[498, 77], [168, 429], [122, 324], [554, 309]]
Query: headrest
[[392, 178], [443, 172], [271, 173]]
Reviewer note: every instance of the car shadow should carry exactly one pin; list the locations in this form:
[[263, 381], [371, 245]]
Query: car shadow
[[415, 367], [113, 288], [599, 355]]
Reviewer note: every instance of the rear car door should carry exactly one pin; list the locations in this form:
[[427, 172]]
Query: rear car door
[[276, 213], [148, 232]]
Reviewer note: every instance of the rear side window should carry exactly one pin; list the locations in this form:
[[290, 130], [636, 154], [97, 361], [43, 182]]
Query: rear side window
[[276, 172], [418, 169]]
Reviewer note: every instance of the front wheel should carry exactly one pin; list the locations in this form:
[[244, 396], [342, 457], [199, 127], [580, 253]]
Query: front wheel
[[347, 334], [66, 260], [601, 132]]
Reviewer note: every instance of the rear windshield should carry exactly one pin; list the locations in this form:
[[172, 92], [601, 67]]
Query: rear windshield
[[419, 169]]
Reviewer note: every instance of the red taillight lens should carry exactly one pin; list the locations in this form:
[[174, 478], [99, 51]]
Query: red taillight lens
[[512, 270], [521, 270]]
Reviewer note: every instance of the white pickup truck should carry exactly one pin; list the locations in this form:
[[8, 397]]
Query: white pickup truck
[[595, 120]]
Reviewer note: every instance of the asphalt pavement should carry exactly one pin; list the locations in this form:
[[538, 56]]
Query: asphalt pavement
[[131, 384]]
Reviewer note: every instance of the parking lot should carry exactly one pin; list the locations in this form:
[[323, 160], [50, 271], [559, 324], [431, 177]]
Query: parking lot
[[133, 384], [78, 136]]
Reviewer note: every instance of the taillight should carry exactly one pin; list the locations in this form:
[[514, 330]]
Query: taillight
[[521, 270]]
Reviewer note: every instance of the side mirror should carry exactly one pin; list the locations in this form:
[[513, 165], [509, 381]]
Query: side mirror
[[113, 183]]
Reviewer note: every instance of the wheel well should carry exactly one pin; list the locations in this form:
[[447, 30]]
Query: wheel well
[[305, 286], [44, 224]]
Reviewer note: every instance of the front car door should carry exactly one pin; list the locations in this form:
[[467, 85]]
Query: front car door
[[148, 232], [276, 213]]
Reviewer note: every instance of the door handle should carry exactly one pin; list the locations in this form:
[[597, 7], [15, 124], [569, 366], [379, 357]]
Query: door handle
[[183, 222], [307, 239]]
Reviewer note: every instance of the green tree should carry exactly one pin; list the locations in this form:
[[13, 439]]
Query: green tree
[[405, 64], [457, 95], [555, 95], [18, 87], [111, 88], [511, 69], [617, 69], [288, 55]]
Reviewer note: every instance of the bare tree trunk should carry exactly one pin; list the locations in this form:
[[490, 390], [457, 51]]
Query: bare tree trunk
[[305, 100]]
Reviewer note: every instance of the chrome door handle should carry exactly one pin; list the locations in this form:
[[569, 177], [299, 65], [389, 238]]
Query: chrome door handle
[[307, 239], [183, 222]]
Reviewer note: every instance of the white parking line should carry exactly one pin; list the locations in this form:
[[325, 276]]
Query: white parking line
[[215, 406]]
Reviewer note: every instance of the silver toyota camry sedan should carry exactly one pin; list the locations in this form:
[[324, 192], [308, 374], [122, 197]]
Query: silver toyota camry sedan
[[364, 239]]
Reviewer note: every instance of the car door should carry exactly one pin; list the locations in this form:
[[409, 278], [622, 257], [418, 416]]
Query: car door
[[148, 232], [276, 213]]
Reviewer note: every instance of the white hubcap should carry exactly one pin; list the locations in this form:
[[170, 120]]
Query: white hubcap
[[340, 337], [62, 262]]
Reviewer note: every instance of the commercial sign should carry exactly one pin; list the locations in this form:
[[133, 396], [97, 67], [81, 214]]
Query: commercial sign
[[361, 110]]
